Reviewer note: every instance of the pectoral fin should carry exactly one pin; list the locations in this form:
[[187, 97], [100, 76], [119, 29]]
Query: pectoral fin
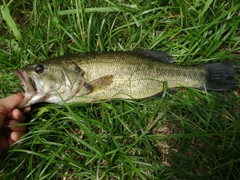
[[97, 84]]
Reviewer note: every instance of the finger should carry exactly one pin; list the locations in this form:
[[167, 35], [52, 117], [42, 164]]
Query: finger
[[16, 126], [9, 103], [26, 109], [17, 115], [16, 135]]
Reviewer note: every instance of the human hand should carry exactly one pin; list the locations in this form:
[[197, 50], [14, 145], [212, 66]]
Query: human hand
[[9, 117]]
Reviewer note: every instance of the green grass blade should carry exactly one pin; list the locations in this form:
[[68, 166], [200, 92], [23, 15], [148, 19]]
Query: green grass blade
[[9, 20]]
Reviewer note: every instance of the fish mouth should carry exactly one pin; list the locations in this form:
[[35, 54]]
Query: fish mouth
[[28, 86], [26, 82]]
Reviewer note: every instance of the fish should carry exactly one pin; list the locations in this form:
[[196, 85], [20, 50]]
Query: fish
[[95, 76]]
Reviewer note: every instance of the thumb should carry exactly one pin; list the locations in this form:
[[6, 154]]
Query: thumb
[[9, 103]]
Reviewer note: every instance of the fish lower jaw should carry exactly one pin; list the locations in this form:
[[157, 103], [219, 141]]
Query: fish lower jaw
[[31, 98]]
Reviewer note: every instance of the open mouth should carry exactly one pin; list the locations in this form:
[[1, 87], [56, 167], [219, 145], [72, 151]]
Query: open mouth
[[25, 82], [21, 78], [28, 86]]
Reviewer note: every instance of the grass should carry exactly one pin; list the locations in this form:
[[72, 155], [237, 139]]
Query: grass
[[190, 135]]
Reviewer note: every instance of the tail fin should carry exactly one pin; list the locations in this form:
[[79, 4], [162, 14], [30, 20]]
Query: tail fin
[[221, 76]]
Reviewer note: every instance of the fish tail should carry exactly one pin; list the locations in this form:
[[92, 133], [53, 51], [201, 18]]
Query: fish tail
[[221, 76]]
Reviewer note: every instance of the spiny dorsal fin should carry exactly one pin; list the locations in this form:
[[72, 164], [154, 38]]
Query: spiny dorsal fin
[[157, 55]]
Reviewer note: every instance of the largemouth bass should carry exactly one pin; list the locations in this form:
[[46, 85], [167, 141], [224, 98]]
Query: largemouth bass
[[90, 77]]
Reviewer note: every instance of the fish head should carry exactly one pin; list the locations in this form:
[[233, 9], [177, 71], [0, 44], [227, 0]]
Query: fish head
[[50, 81]]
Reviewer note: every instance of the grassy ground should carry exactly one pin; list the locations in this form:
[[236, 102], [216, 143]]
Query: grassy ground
[[190, 135]]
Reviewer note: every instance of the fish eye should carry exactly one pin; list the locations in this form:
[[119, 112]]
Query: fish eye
[[39, 69]]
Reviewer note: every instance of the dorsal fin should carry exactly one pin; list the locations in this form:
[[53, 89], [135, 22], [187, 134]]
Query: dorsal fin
[[157, 55]]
